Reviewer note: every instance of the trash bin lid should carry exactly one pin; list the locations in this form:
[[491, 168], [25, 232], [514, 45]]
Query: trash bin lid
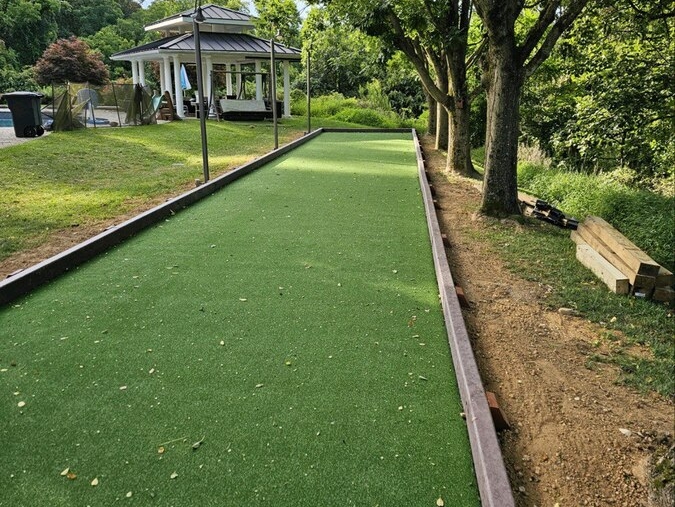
[[21, 94]]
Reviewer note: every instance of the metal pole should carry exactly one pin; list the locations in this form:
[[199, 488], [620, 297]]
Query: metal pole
[[309, 115], [273, 86], [200, 90]]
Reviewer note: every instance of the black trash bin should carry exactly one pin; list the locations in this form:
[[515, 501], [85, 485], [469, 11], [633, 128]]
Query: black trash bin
[[26, 113]]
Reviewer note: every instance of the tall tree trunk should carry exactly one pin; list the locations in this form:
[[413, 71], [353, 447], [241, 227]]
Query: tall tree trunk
[[503, 85], [442, 128], [459, 149], [432, 118]]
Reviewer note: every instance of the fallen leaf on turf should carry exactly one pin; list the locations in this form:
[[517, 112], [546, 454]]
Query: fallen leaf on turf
[[243, 299], [129, 494], [161, 450], [258, 386], [65, 472], [440, 502], [288, 363], [412, 320], [71, 476], [152, 370], [174, 475], [198, 444], [123, 388], [21, 404], [222, 342], [94, 482]]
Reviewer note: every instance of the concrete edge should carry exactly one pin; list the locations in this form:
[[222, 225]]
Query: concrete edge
[[30, 278], [493, 482]]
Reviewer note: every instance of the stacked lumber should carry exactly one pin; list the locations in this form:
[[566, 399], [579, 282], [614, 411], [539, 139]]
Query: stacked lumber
[[619, 263]]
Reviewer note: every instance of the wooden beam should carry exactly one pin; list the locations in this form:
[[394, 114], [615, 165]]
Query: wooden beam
[[603, 269], [635, 258], [585, 236], [664, 294], [665, 278]]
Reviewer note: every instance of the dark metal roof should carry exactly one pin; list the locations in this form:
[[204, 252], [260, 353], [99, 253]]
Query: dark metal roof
[[223, 43], [212, 14]]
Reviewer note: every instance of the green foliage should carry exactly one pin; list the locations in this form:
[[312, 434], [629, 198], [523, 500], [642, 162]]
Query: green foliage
[[605, 97], [367, 117], [108, 41], [646, 218], [278, 16], [86, 17], [28, 27], [342, 59]]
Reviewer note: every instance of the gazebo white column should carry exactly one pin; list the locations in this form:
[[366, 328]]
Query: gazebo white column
[[237, 69], [134, 72], [178, 87], [167, 75], [287, 90], [141, 72], [258, 80], [228, 79], [210, 93]]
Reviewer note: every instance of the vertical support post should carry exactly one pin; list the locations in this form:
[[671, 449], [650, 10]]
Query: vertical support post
[[200, 91], [273, 93], [167, 75], [287, 90], [258, 81], [178, 87], [237, 70], [309, 90], [210, 91], [228, 78], [141, 72], [134, 72]]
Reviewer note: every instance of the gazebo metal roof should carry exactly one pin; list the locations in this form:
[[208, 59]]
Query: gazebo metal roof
[[238, 45], [219, 18]]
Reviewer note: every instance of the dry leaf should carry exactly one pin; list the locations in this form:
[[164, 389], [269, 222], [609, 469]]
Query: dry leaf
[[71, 476], [222, 342], [440, 502], [129, 494], [174, 475], [258, 386], [65, 472], [161, 450], [197, 444], [21, 404], [94, 482], [123, 388], [152, 370], [243, 299]]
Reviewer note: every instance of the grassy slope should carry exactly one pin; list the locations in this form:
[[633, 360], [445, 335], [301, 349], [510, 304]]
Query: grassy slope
[[81, 177], [333, 384]]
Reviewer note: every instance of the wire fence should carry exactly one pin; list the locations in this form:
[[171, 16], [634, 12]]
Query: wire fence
[[83, 105]]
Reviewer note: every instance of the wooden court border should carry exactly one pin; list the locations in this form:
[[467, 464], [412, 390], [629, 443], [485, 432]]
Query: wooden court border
[[492, 480]]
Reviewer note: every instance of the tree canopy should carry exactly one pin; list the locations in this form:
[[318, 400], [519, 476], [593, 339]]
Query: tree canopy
[[70, 60]]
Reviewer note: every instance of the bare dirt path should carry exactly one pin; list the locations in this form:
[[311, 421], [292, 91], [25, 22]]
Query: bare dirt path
[[566, 446]]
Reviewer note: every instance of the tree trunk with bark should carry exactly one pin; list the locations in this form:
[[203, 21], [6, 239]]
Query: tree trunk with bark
[[432, 118], [504, 81], [442, 127], [459, 148]]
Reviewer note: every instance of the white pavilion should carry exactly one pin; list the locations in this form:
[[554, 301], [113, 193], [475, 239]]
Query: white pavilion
[[225, 45]]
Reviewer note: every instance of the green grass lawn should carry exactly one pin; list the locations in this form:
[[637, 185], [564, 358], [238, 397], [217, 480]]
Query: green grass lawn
[[77, 178], [290, 323]]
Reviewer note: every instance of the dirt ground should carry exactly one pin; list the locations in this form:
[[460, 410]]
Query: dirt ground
[[577, 438]]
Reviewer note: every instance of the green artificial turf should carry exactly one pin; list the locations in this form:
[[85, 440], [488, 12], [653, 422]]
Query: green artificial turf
[[290, 321]]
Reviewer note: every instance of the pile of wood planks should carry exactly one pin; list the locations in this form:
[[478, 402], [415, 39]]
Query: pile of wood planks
[[621, 265]]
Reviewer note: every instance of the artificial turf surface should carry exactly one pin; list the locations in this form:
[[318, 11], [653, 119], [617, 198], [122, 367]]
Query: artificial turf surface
[[290, 323]]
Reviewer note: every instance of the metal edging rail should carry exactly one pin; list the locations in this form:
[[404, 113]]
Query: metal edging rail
[[26, 280], [493, 482]]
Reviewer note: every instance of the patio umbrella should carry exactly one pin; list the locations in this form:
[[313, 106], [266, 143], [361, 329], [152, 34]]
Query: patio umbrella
[[184, 81]]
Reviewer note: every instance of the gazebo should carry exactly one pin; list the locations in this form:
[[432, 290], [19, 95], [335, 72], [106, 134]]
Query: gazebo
[[224, 42]]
